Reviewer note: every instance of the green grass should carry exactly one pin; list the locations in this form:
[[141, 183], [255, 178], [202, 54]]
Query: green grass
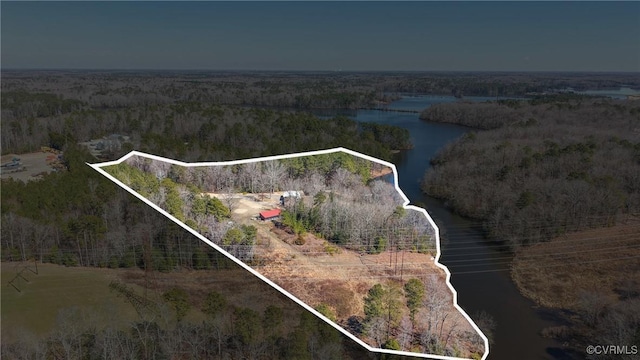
[[55, 287]]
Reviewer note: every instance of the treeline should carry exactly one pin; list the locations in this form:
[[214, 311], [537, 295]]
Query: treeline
[[395, 137], [294, 90], [168, 108], [225, 331], [26, 105], [197, 131], [118, 90], [527, 112], [78, 218], [501, 84], [477, 115], [327, 164], [545, 168], [186, 202]]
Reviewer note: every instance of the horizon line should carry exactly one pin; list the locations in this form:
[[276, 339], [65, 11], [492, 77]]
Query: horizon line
[[319, 71]]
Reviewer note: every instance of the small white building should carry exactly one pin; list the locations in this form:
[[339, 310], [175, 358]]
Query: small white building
[[297, 195], [293, 194]]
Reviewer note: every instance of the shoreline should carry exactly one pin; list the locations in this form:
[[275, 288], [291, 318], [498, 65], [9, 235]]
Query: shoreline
[[377, 173]]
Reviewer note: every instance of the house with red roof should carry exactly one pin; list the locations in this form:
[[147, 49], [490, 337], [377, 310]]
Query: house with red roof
[[269, 214]]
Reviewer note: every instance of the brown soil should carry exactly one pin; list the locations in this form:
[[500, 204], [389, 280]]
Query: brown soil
[[247, 206], [554, 273], [340, 280], [380, 170]]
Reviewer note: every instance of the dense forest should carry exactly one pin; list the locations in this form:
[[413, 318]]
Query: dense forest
[[547, 166], [57, 108], [196, 131], [77, 217]]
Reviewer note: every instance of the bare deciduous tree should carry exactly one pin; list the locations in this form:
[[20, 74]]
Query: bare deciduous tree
[[274, 172]]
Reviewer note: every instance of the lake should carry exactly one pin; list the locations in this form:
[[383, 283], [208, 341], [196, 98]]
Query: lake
[[620, 93]]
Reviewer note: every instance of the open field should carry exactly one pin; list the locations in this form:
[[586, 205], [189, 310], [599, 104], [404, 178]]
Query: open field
[[555, 273], [35, 308], [236, 285], [35, 163], [314, 275]]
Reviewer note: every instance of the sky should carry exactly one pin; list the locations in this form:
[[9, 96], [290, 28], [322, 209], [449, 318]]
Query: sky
[[322, 36]]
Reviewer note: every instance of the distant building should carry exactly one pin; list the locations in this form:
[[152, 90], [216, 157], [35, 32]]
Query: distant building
[[110, 143], [270, 214]]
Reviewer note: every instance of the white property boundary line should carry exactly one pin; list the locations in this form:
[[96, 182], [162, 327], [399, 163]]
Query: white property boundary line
[[98, 168]]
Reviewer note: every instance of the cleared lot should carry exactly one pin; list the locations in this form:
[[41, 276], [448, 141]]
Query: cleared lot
[[34, 164], [248, 206]]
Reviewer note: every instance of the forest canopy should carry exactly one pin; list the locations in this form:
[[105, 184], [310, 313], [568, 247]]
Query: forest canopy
[[548, 166]]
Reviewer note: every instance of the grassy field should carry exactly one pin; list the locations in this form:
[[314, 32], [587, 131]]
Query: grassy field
[[600, 261], [34, 309], [32, 312], [239, 287]]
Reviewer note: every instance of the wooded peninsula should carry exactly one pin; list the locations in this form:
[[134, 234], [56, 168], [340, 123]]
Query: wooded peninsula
[[557, 180]]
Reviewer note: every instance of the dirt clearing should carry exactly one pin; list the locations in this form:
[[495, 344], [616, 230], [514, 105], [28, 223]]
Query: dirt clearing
[[34, 164]]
